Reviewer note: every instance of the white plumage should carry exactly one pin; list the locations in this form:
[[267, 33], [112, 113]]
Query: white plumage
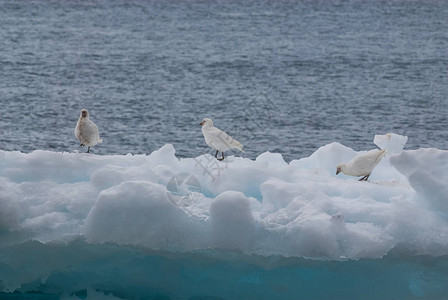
[[86, 131], [218, 139], [362, 165]]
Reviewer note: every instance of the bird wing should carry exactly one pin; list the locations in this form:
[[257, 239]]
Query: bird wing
[[87, 133], [77, 130], [364, 164], [95, 129], [220, 140]]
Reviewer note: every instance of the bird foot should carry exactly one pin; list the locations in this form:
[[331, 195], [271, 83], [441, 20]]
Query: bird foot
[[222, 155], [81, 145]]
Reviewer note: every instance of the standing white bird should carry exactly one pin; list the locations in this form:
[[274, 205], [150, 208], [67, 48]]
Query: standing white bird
[[362, 165], [86, 131], [218, 139]]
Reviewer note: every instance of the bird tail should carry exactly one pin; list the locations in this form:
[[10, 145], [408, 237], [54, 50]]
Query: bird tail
[[239, 146]]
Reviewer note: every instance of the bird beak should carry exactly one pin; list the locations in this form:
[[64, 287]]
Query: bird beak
[[202, 123], [338, 171]]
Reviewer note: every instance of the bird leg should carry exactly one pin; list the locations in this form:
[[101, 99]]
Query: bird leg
[[81, 145], [365, 178], [88, 150], [216, 154], [222, 158]]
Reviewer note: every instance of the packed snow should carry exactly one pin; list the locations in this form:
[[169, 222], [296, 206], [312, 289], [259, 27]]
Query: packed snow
[[265, 207]]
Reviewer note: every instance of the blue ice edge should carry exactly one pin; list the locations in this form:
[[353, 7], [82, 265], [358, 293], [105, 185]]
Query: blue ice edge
[[80, 269]]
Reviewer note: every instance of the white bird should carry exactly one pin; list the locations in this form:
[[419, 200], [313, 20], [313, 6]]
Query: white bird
[[86, 131], [362, 165], [218, 139]]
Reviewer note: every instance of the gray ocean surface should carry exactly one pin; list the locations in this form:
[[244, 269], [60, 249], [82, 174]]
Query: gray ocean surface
[[279, 76]]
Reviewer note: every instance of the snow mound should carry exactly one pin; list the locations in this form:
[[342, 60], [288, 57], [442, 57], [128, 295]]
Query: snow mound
[[232, 222], [136, 212], [393, 143], [427, 173]]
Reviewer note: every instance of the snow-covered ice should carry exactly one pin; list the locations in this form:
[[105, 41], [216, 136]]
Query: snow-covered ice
[[391, 142], [264, 207], [268, 206]]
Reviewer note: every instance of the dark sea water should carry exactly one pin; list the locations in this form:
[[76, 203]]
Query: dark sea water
[[280, 76]]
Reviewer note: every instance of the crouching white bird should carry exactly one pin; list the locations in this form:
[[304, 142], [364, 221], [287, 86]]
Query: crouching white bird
[[218, 139], [86, 131], [362, 165]]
